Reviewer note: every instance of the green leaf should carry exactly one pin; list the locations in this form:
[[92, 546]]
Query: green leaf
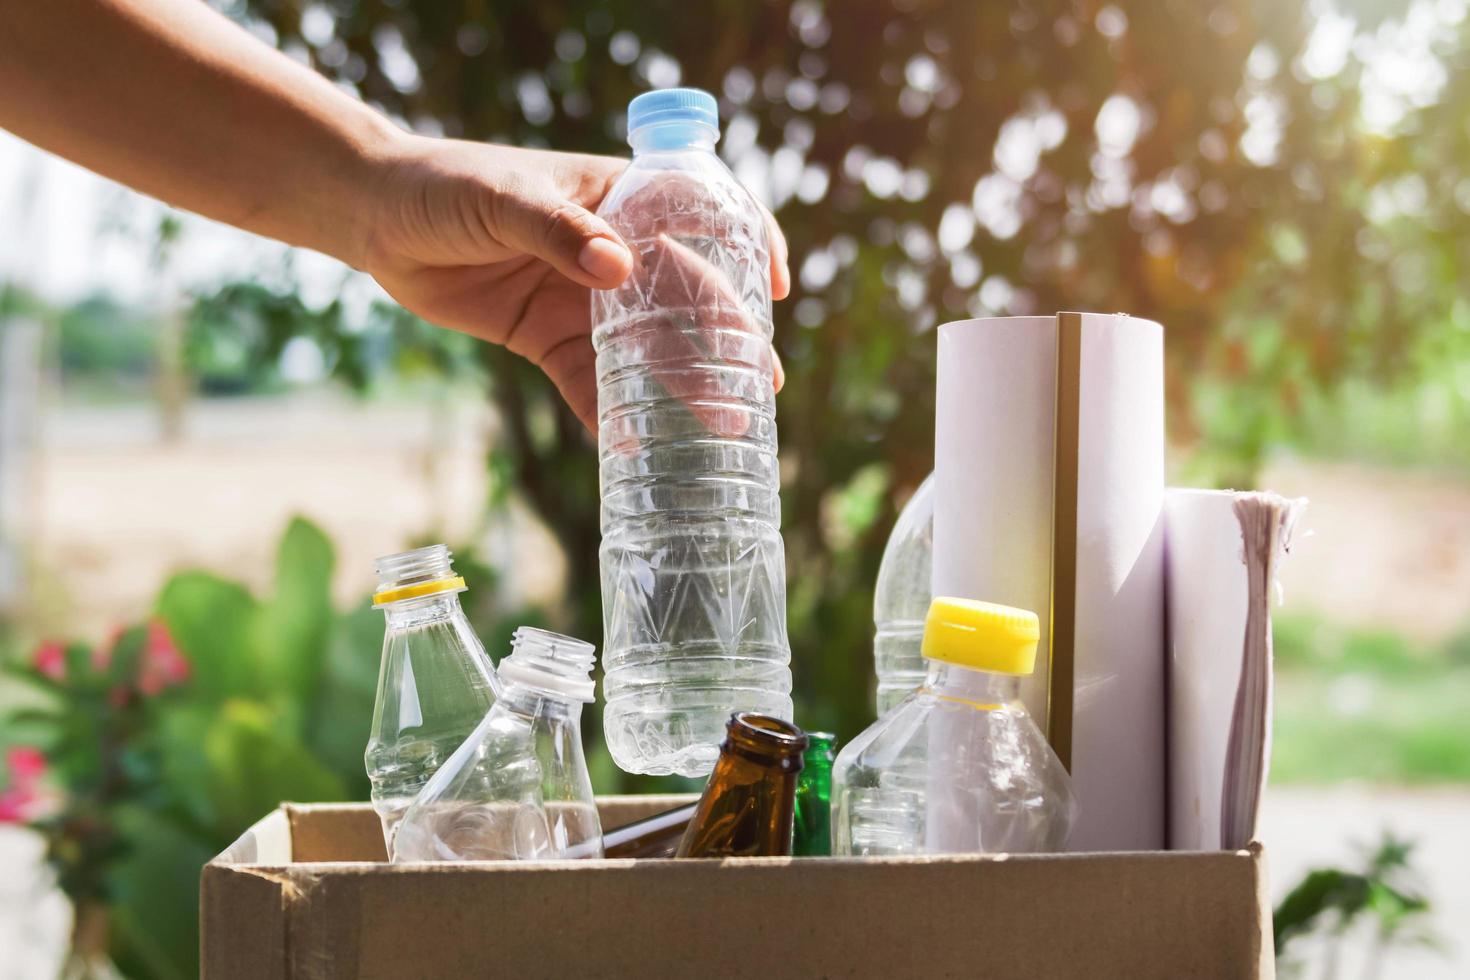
[[126, 657], [156, 888], [30, 676], [80, 674], [339, 721], [1391, 905], [1317, 893], [185, 767], [297, 623], [27, 726], [213, 622], [253, 763]]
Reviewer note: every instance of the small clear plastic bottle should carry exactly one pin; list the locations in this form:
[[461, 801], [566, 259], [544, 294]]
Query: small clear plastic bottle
[[901, 599], [958, 766], [435, 681], [518, 788]]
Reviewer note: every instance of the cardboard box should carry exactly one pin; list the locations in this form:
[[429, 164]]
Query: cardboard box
[[304, 894]]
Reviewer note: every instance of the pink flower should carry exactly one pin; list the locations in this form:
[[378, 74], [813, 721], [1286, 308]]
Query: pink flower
[[163, 665], [16, 806], [24, 800], [50, 660], [27, 764]]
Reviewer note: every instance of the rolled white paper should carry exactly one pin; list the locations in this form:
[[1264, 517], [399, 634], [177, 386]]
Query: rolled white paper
[[993, 429], [995, 471]]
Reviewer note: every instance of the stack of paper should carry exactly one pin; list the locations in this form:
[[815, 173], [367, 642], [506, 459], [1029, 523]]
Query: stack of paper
[[1223, 548]]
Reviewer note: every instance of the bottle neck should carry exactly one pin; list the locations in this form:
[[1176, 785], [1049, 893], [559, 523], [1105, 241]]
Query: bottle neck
[[764, 742], [550, 665], [981, 687], [413, 613], [749, 800], [672, 137], [746, 809], [546, 706], [820, 751]]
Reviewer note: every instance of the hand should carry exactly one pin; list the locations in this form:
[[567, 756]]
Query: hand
[[501, 243]]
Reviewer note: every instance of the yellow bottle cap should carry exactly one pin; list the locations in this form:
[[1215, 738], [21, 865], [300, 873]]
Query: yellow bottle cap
[[418, 590], [981, 635]]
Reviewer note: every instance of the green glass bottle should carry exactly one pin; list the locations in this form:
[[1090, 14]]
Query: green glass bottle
[[812, 828]]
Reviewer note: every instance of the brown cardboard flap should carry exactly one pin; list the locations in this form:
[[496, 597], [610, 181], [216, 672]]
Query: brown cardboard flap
[[335, 832], [242, 923], [350, 831], [1155, 914]]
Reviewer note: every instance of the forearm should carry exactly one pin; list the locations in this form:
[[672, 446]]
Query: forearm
[[173, 99]]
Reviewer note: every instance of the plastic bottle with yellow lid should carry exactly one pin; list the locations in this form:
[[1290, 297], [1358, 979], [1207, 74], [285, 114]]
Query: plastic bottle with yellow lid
[[959, 766], [901, 599], [435, 682]]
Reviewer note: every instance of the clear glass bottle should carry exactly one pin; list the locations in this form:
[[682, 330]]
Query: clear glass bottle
[[435, 681], [693, 568], [901, 598], [959, 766], [748, 804], [518, 788]]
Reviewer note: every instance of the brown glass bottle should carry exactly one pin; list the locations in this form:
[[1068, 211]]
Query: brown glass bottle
[[657, 836], [747, 804]]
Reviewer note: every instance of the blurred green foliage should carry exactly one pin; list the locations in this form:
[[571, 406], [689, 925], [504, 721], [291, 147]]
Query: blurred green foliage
[[1331, 903], [1368, 704], [98, 336], [274, 705], [236, 338], [933, 160]]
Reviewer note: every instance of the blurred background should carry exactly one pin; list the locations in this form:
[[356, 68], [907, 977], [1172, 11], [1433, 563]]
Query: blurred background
[[205, 438]]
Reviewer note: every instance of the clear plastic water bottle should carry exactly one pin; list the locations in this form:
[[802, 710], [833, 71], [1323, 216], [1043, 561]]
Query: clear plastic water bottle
[[435, 682], [959, 766], [901, 599], [693, 568], [518, 787]]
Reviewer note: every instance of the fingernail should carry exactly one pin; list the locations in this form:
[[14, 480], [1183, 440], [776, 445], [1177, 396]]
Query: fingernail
[[605, 260]]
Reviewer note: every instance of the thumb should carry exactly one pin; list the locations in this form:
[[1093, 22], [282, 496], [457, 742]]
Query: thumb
[[568, 237]]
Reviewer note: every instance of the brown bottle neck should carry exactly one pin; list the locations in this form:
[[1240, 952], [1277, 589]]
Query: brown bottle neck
[[764, 742], [738, 767], [746, 809], [732, 752]]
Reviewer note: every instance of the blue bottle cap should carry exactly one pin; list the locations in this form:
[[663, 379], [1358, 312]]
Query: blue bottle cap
[[691, 107]]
